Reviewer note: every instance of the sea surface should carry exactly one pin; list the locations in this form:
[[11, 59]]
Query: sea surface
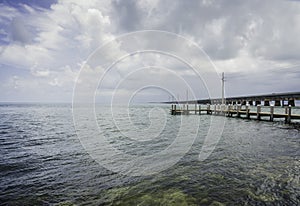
[[44, 162]]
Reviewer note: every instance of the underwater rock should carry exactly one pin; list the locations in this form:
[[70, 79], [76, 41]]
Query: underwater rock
[[147, 200], [216, 203], [171, 197], [177, 198], [67, 203], [262, 197], [204, 201]]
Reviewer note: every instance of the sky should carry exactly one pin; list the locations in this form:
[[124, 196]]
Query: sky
[[44, 46]]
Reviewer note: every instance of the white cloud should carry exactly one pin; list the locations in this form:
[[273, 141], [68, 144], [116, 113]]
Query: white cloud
[[40, 73], [239, 36], [7, 13], [68, 30]]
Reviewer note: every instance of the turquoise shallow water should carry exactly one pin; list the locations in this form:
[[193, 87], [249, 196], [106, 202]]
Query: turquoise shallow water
[[43, 161]]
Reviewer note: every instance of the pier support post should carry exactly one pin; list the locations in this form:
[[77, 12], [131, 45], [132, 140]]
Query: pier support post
[[223, 109], [286, 112], [199, 109], [195, 108], [258, 112], [172, 109], [289, 114], [238, 110], [227, 110], [208, 109], [215, 109], [271, 113], [247, 112], [187, 110], [175, 110], [229, 114]]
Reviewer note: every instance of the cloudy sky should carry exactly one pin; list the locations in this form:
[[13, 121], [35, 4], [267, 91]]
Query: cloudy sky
[[45, 44]]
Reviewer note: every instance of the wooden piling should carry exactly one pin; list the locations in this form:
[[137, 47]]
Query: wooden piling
[[289, 114], [238, 111], [286, 112], [187, 109], [258, 112], [247, 112], [229, 110], [208, 108], [223, 109], [271, 113]]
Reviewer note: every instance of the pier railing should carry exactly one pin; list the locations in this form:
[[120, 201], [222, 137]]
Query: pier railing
[[240, 111]]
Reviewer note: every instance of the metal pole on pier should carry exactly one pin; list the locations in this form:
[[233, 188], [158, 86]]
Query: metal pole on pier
[[187, 96], [187, 103], [223, 80]]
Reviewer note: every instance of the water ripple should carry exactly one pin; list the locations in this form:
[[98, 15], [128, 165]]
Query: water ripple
[[42, 162]]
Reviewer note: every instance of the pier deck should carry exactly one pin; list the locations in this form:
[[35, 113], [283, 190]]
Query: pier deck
[[236, 111]]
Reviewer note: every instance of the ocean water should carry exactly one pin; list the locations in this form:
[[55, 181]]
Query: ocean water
[[45, 162]]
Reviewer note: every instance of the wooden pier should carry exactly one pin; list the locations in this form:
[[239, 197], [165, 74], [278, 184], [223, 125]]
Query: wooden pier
[[240, 111]]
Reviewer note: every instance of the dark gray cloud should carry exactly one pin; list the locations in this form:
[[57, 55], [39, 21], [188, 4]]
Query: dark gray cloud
[[222, 28], [265, 81], [19, 31], [127, 14]]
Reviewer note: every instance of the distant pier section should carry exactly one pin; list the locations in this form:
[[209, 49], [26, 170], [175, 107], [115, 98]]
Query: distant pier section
[[279, 99], [249, 107]]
